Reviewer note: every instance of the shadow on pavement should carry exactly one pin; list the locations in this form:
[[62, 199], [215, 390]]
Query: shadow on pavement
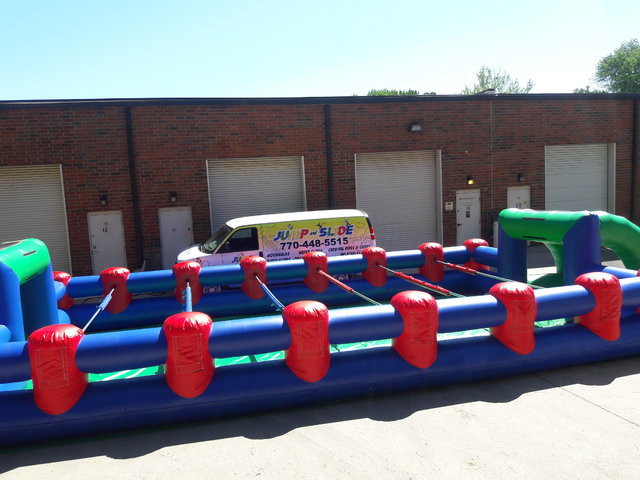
[[539, 256], [384, 408]]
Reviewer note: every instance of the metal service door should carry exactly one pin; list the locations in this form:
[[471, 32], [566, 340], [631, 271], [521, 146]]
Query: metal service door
[[176, 232], [519, 197], [467, 215], [106, 234]]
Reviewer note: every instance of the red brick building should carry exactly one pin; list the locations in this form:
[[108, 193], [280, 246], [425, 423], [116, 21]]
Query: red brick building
[[421, 166]]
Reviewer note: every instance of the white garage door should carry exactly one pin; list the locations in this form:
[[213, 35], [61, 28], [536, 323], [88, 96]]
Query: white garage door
[[239, 187], [32, 206], [400, 192], [576, 177]]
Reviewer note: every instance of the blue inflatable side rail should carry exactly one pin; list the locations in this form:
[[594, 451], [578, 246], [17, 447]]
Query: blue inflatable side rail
[[131, 349], [152, 311], [164, 280]]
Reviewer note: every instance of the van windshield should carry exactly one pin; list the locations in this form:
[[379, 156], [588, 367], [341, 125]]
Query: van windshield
[[212, 243]]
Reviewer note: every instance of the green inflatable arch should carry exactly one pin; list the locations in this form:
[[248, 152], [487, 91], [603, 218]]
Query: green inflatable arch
[[550, 227]]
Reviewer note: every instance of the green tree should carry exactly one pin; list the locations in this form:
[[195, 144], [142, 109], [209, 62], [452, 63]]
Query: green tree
[[498, 80], [588, 89], [385, 92], [620, 71]]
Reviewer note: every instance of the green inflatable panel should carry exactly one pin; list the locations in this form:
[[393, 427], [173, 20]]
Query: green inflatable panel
[[541, 226], [27, 258]]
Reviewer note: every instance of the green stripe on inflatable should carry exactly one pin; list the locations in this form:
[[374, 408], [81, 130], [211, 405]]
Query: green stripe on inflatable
[[27, 258], [280, 355], [541, 226]]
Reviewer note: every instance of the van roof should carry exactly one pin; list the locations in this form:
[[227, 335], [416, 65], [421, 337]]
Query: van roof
[[294, 217]]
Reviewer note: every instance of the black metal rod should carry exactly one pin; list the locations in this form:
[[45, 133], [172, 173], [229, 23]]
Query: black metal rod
[[135, 204], [329, 150], [634, 161]]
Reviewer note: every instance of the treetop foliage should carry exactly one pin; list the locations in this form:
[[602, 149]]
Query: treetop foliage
[[619, 72], [588, 89], [498, 80], [385, 92]]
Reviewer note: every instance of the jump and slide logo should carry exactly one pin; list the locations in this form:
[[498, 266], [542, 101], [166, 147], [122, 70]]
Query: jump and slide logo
[[321, 232]]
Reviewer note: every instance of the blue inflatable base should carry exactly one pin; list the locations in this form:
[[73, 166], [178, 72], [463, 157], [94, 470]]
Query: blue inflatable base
[[241, 389]]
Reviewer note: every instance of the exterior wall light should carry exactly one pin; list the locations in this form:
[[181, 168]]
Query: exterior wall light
[[173, 197], [414, 127], [521, 177], [470, 180], [104, 200]]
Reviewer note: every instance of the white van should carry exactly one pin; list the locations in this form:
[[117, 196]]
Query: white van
[[285, 236]]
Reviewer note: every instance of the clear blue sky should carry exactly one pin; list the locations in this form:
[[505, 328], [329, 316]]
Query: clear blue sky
[[292, 48]]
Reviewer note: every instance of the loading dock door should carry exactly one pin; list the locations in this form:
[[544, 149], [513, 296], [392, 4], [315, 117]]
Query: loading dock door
[[32, 206], [400, 192], [576, 177], [240, 187]]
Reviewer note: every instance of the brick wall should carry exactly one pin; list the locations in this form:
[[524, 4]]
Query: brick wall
[[491, 138], [173, 143], [90, 143]]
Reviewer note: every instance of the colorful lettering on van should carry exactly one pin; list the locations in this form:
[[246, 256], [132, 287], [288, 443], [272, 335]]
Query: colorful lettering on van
[[322, 231], [238, 259], [336, 236]]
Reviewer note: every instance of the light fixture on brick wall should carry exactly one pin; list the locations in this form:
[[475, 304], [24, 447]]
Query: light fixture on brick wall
[[521, 177], [414, 127], [470, 180], [173, 197], [104, 200]]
